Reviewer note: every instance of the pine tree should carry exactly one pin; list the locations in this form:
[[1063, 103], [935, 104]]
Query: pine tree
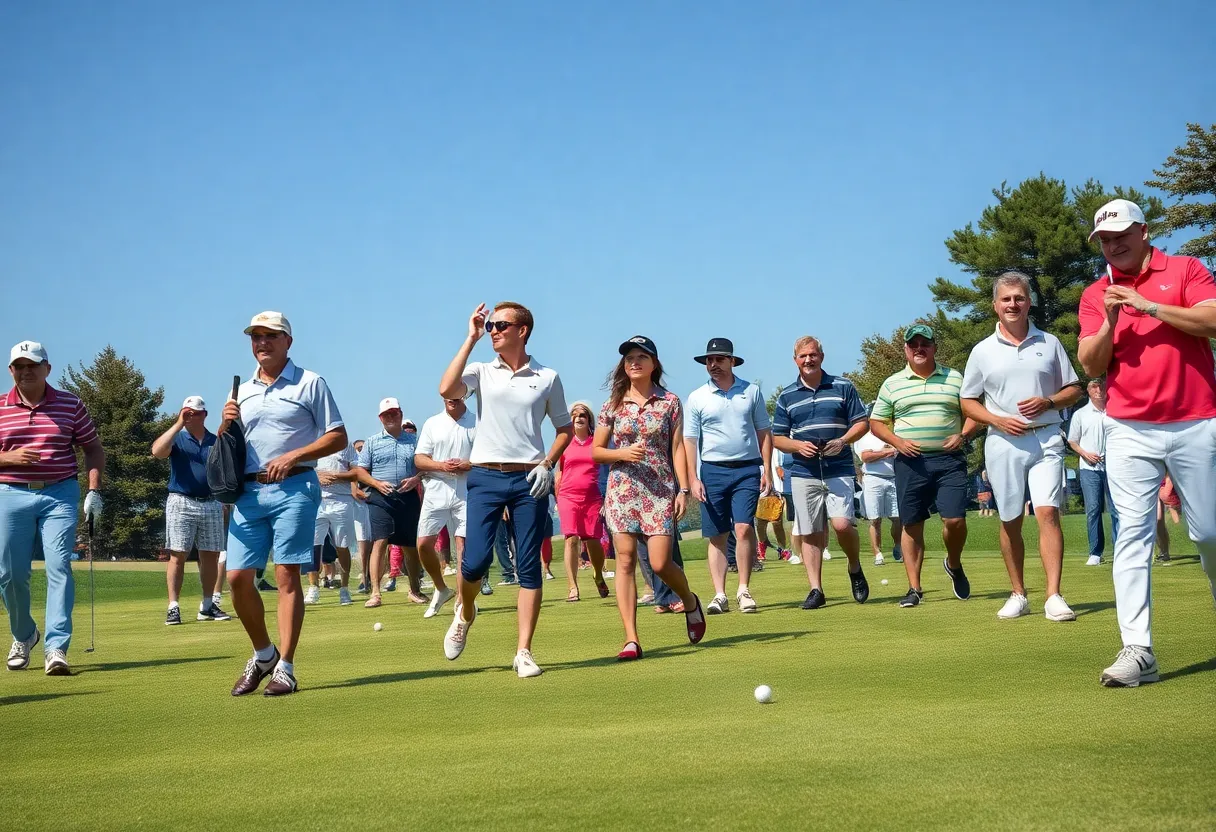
[[1191, 171], [128, 419]]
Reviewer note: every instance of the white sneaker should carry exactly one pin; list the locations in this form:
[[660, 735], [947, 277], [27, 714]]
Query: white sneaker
[[1094, 560], [1056, 608], [525, 666], [57, 663], [427, 583], [719, 605], [437, 601], [19, 655], [344, 597], [827, 555], [1015, 607], [794, 560], [646, 600], [878, 561], [458, 633], [448, 571], [609, 574], [746, 602], [1133, 667], [313, 595]]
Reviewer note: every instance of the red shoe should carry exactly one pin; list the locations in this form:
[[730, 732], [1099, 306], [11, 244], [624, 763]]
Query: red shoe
[[631, 652], [761, 551], [695, 621]]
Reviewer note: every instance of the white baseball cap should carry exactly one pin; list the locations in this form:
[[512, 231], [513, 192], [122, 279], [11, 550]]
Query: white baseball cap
[[270, 320], [389, 403], [194, 403], [1117, 215], [408, 423], [28, 349]]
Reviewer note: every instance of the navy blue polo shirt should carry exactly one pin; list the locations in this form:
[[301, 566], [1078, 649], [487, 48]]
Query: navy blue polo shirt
[[188, 464], [818, 416]]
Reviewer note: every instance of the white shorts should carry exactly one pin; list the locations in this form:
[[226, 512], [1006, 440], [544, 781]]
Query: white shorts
[[817, 500], [433, 519], [878, 497], [1036, 458], [363, 522], [335, 517], [191, 523]]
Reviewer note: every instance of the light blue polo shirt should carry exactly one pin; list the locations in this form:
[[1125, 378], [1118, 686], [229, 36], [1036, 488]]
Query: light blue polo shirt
[[389, 459], [724, 422], [294, 411]]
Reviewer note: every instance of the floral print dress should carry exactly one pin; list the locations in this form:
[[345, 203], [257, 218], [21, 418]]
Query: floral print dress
[[641, 495]]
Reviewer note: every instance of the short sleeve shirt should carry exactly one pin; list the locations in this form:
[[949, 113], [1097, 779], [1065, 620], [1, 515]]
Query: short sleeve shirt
[[1004, 373], [882, 468], [442, 438], [922, 410], [1088, 429], [819, 415], [511, 407], [290, 413], [188, 464], [1157, 373], [389, 458], [724, 422], [337, 463], [53, 427]]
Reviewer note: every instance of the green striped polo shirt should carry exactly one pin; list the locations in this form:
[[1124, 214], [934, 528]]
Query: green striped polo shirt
[[923, 410]]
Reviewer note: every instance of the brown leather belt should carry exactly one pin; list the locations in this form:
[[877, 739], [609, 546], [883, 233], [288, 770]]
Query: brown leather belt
[[507, 467], [36, 486], [260, 476]]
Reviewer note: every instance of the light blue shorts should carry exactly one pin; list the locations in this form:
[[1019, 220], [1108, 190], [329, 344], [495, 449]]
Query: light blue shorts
[[279, 518]]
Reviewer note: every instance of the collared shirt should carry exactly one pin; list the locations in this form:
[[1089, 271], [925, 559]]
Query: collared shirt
[[922, 410], [444, 438], [819, 415], [1004, 373], [1088, 429], [882, 468], [1157, 373], [389, 458], [188, 464], [724, 422], [511, 407], [52, 427], [337, 463], [290, 413]]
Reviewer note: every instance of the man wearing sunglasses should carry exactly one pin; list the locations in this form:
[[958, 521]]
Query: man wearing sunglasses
[[510, 467]]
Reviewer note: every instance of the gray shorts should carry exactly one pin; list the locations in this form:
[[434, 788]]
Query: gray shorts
[[193, 523], [817, 500]]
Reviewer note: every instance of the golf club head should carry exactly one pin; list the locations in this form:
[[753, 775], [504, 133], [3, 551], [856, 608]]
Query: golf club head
[[88, 649]]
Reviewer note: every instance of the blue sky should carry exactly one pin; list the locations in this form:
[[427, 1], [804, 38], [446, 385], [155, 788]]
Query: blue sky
[[679, 169]]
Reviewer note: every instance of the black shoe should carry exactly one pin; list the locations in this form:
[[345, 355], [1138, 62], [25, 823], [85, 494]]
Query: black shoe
[[758, 566], [213, 613], [912, 598], [174, 616], [1163, 558], [732, 567], [264, 586], [962, 586], [814, 600], [898, 555], [861, 587]]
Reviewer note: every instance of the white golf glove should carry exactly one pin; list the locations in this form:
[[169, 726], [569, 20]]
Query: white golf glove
[[92, 506], [541, 478]]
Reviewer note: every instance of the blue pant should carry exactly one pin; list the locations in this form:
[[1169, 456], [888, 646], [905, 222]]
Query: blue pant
[[731, 494], [502, 548], [1097, 495], [277, 517], [664, 596], [489, 493], [51, 514]]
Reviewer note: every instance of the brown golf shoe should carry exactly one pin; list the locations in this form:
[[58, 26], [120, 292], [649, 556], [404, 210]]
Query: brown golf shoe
[[255, 672], [280, 684]]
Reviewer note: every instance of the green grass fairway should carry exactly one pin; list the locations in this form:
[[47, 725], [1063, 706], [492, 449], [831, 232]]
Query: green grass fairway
[[935, 717]]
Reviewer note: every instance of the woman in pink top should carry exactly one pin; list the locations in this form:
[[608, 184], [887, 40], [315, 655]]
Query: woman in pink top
[[579, 502]]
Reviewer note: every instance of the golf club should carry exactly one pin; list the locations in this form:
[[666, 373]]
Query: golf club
[[92, 596]]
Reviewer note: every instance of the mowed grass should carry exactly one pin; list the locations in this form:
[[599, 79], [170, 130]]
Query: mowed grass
[[935, 717]]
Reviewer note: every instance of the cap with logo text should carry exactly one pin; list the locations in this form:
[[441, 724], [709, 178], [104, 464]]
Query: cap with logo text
[[640, 342], [923, 330], [1117, 215], [270, 320], [30, 350], [194, 403]]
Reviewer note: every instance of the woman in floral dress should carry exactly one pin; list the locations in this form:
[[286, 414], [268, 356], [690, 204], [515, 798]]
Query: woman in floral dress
[[646, 493]]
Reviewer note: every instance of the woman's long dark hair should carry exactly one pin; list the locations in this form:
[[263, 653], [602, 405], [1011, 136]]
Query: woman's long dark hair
[[618, 382]]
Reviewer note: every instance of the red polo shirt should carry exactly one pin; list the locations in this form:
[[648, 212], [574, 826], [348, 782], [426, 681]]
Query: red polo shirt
[[1157, 373], [52, 427]]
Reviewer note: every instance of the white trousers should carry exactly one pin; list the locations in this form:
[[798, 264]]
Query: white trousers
[[1034, 459], [1138, 455]]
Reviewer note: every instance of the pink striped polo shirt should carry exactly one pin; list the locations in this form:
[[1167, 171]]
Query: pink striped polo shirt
[[52, 428]]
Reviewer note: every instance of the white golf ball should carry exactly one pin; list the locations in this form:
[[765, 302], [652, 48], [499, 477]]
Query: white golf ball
[[764, 694], [884, 581], [378, 627]]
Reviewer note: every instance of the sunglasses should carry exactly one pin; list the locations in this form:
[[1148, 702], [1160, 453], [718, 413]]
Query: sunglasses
[[501, 326]]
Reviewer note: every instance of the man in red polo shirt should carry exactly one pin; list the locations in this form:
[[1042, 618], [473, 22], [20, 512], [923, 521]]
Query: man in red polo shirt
[[1146, 325], [40, 427]]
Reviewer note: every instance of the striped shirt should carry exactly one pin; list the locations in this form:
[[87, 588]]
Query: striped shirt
[[388, 458], [923, 410], [52, 427], [819, 415]]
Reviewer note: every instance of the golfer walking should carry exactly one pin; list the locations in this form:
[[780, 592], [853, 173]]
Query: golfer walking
[[1087, 438]]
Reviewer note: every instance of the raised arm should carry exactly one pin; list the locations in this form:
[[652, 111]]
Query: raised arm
[[452, 385], [163, 445]]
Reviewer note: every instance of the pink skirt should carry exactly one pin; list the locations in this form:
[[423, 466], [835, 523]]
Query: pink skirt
[[581, 519]]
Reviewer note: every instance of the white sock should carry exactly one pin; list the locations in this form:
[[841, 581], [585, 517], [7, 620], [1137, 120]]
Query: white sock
[[742, 588], [265, 654], [172, 605], [287, 667]]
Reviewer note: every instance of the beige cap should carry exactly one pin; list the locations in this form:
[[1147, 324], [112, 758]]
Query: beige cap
[[270, 320]]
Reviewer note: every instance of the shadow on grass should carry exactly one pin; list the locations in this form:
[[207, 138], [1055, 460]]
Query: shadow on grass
[[1197, 667], [673, 650], [1089, 608], [403, 676], [109, 666], [19, 699]]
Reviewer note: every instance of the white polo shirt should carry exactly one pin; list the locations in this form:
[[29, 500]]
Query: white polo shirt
[[1004, 374], [882, 468], [511, 407], [1088, 429], [443, 438], [338, 463]]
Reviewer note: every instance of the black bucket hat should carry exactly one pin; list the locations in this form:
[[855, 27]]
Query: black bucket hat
[[719, 346]]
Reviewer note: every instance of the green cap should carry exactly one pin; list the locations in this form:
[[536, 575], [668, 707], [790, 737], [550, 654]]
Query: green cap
[[924, 330]]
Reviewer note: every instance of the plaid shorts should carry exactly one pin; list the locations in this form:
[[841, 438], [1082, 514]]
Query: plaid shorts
[[191, 523]]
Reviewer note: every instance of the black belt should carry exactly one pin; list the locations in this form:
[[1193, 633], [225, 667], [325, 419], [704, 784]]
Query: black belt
[[206, 499], [260, 476], [747, 463]]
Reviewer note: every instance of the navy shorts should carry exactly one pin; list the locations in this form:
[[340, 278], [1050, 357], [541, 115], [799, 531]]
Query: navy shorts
[[921, 481], [731, 493], [395, 517], [489, 493], [325, 553]]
